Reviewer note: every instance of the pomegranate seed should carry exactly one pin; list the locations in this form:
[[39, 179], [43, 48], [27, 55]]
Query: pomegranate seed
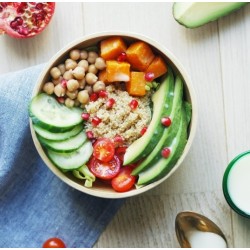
[[90, 135], [23, 31], [19, 20], [166, 121], [85, 116], [133, 104], [39, 6], [64, 83], [149, 76], [103, 94], [60, 99], [3, 4], [1, 9], [122, 57], [110, 103], [95, 121], [118, 140], [23, 5], [143, 131], [165, 152], [13, 25], [93, 97]]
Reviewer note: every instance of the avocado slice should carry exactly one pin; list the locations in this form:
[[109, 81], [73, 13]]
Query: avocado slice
[[169, 132], [162, 106], [195, 14], [164, 165]]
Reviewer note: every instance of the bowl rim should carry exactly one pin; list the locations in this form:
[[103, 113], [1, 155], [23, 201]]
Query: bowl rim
[[194, 117]]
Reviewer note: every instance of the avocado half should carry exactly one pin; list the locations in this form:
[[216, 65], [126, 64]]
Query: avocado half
[[196, 14]]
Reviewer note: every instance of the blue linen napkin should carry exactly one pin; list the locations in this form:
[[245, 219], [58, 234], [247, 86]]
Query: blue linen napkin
[[34, 204]]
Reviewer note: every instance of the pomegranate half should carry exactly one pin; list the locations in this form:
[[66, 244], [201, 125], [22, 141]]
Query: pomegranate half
[[25, 19]]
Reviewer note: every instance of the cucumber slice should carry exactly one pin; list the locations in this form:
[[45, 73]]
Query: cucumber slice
[[68, 145], [73, 160], [57, 136], [46, 112]]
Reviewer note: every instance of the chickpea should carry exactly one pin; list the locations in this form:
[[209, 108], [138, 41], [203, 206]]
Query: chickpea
[[83, 97], [79, 72], [69, 103], [89, 89], [57, 81], [92, 57], [62, 68], [49, 88], [92, 69], [83, 54], [84, 64], [68, 75], [74, 54], [91, 78], [70, 64], [98, 86], [72, 95], [100, 63], [55, 73], [82, 83], [72, 85], [59, 90]]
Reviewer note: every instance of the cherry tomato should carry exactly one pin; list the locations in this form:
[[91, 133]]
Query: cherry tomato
[[104, 149], [54, 243], [120, 152], [105, 170], [124, 181]]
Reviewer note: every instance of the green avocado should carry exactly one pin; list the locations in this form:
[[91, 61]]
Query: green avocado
[[169, 132], [164, 165], [162, 106], [195, 14]]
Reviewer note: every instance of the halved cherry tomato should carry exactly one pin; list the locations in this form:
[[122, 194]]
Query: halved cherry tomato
[[120, 152], [105, 170], [124, 181], [104, 149], [54, 243]]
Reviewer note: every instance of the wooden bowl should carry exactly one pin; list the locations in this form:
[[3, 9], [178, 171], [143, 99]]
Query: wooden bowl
[[100, 189]]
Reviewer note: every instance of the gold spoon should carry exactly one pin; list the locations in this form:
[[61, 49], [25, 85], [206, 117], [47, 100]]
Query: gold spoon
[[186, 221]]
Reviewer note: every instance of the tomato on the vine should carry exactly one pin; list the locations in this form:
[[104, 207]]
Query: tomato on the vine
[[104, 149], [124, 181], [105, 170], [54, 243]]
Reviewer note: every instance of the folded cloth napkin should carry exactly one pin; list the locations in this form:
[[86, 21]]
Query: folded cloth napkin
[[34, 204]]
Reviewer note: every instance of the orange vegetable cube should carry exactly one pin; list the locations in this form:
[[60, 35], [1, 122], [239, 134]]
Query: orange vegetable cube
[[139, 55], [136, 85], [102, 76], [117, 71], [112, 47], [157, 66]]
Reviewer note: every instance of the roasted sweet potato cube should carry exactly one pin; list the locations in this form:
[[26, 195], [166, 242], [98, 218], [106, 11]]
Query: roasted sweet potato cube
[[139, 55], [157, 66], [136, 85], [112, 47], [117, 71]]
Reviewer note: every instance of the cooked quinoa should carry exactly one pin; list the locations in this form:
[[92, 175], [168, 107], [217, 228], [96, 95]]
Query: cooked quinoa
[[120, 119]]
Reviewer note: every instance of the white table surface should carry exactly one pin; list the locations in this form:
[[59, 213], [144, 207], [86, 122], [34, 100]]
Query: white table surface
[[217, 57]]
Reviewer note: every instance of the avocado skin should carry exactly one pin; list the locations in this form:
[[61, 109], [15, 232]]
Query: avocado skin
[[188, 23], [164, 165], [169, 132]]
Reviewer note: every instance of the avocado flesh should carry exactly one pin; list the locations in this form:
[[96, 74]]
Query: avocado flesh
[[162, 106], [195, 14], [169, 132], [164, 165]]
